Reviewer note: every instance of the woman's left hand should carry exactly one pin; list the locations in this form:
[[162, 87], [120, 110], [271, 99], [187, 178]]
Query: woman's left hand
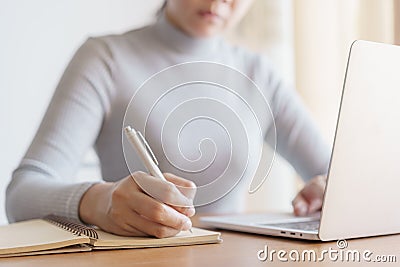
[[309, 199]]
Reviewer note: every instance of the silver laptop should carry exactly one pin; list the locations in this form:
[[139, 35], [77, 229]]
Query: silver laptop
[[363, 187]]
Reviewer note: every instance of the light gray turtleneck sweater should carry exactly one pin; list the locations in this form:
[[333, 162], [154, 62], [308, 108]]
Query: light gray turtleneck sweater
[[88, 106]]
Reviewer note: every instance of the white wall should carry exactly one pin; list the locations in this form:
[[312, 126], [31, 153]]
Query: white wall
[[37, 40], [324, 31]]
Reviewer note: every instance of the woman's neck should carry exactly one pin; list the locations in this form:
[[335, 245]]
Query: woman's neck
[[176, 38]]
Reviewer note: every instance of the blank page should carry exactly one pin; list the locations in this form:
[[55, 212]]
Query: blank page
[[35, 235]]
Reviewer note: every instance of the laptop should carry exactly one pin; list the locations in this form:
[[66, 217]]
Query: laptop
[[363, 187]]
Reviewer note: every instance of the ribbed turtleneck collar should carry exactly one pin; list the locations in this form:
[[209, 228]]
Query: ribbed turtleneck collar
[[181, 42]]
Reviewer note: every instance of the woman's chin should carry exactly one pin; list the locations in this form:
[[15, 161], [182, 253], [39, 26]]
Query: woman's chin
[[206, 32]]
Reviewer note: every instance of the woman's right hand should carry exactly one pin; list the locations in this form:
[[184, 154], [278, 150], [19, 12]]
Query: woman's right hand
[[123, 208]]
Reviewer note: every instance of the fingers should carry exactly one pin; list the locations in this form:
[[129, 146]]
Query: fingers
[[300, 205], [165, 192], [132, 212], [127, 222], [180, 200], [134, 221], [152, 228], [122, 229], [159, 213], [187, 188], [309, 199]]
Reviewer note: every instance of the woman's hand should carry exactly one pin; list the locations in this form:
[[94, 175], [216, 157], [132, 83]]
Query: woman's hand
[[123, 207], [309, 199]]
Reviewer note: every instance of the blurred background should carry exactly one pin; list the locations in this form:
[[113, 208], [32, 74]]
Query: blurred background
[[308, 40]]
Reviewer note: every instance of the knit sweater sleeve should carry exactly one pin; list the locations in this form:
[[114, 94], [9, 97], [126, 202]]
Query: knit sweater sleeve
[[42, 183], [299, 140]]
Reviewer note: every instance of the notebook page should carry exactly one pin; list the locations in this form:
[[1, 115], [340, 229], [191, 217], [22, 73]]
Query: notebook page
[[198, 236], [35, 235]]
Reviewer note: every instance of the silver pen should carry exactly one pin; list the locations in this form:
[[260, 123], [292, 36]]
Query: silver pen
[[146, 154]]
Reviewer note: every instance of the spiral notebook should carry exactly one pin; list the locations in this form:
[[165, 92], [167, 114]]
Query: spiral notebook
[[55, 234]]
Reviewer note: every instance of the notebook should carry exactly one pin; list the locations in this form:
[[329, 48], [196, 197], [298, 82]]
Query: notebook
[[55, 234]]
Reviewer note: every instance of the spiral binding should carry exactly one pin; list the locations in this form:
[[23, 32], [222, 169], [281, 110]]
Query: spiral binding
[[71, 226]]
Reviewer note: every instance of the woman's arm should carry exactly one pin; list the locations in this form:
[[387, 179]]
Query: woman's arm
[[300, 142], [298, 139], [42, 182]]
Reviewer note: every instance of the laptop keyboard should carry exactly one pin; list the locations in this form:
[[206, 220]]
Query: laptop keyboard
[[305, 226]]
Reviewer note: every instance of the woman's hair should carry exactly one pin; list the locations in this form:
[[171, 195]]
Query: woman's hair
[[161, 10]]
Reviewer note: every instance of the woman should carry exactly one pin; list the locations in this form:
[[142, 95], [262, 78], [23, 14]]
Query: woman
[[87, 110]]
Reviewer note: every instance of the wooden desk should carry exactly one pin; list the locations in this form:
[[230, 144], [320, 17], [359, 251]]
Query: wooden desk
[[237, 249]]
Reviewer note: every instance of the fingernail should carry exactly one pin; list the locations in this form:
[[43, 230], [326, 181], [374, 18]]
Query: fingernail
[[187, 225], [301, 209], [315, 205], [191, 212]]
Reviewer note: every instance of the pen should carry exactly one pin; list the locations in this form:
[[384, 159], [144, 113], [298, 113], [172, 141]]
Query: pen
[[146, 154]]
